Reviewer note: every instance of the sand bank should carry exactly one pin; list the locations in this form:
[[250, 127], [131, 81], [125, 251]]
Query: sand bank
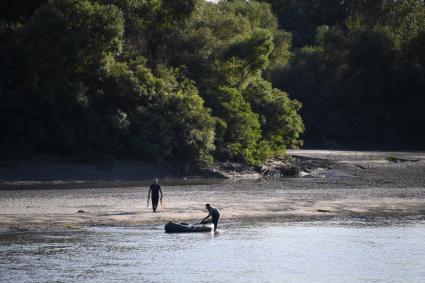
[[358, 185]]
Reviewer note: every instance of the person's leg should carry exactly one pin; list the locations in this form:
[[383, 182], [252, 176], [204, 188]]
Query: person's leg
[[154, 203], [215, 222]]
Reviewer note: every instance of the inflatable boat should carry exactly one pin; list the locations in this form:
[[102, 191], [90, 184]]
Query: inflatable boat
[[172, 227]]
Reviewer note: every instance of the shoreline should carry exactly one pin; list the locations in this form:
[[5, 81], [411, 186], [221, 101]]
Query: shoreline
[[356, 186], [370, 213], [35, 175], [28, 175]]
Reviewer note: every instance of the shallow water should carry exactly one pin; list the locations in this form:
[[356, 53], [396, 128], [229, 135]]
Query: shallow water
[[265, 252]]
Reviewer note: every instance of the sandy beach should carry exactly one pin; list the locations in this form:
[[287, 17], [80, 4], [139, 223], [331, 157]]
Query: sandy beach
[[358, 185]]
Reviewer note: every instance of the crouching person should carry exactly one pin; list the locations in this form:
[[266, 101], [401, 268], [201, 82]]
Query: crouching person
[[214, 213]]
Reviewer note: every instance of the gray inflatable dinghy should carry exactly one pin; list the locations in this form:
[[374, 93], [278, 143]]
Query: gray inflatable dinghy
[[172, 227]]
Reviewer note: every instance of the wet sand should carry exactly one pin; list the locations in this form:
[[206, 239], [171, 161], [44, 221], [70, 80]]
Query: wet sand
[[359, 185]]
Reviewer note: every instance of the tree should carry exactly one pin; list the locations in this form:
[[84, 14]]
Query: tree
[[281, 125], [104, 79], [238, 128]]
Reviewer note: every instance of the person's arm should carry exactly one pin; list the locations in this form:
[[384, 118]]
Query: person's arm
[[160, 190], [209, 214], [149, 194]]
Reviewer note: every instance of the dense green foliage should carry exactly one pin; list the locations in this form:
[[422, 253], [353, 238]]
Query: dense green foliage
[[357, 67], [144, 79], [195, 81]]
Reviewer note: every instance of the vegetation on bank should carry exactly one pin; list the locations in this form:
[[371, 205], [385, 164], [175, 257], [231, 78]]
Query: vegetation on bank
[[155, 80], [193, 81], [358, 67]]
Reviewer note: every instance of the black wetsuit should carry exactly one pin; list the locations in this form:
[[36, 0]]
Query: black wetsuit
[[215, 216], [155, 189]]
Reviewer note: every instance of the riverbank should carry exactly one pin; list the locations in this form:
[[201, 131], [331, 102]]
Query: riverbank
[[57, 175], [357, 185]]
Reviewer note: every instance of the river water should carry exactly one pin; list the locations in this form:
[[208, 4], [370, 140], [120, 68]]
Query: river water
[[352, 251]]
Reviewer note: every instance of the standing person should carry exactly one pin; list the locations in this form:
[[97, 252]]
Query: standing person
[[154, 191], [214, 213]]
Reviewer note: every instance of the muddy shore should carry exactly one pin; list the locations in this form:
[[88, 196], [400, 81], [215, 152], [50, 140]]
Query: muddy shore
[[50, 175], [364, 185]]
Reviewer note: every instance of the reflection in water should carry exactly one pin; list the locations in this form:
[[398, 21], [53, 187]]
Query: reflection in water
[[262, 253]]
